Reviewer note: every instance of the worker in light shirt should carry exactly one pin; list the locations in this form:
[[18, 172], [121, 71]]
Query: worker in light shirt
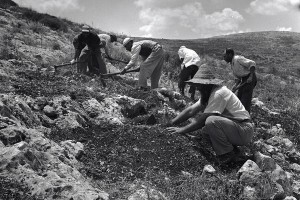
[[244, 71], [109, 40], [190, 63], [153, 59], [219, 115]]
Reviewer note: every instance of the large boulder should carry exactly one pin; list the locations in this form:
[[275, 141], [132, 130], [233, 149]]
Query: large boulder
[[249, 174], [11, 135], [131, 107], [265, 163], [47, 169]]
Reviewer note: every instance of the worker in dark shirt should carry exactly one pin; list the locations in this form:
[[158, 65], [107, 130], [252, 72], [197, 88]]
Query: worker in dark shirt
[[87, 52]]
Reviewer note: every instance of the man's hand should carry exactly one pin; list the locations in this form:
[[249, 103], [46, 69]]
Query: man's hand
[[73, 61], [123, 71], [174, 130]]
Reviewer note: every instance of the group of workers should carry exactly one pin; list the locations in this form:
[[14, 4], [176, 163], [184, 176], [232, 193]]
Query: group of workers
[[223, 117]]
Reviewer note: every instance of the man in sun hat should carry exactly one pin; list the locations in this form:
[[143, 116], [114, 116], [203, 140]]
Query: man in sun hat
[[223, 119], [190, 63], [153, 59], [244, 71], [87, 52]]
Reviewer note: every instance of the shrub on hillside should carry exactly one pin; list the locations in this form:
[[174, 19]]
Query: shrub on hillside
[[30, 41], [7, 39], [7, 3], [4, 53], [31, 15], [56, 46], [3, 22], [37, 27], [54, 23]]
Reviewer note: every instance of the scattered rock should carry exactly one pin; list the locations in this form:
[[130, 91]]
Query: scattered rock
[[51, 112], [249, 193], [265, 163], [73, 148], [208, 170]]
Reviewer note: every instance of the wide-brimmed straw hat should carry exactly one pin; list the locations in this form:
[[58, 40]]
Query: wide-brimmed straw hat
[[205, 76]]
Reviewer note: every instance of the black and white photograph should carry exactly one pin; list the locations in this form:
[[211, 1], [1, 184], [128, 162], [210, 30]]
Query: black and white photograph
[[150, 99]]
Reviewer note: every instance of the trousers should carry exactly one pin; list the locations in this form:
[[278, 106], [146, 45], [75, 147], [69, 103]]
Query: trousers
[[245, 92], [91, 58], [186, 74], [223, 133], [151, 67]]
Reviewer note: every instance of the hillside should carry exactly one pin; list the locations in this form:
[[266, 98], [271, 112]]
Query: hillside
[[65, 135]]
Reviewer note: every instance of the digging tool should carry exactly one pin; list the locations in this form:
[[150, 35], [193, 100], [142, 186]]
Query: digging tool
[[109, 58], [117, 73], [65, 64]]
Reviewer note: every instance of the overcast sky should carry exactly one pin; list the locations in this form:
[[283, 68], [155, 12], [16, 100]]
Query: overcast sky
[[176, 19]]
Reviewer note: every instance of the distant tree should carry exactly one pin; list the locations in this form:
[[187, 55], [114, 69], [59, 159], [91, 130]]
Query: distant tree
[[7, 3]]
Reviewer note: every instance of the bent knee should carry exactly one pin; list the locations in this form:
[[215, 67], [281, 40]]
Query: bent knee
[[211, 120]]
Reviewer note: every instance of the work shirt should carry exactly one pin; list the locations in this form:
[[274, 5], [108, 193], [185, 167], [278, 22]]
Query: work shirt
[[108, 45], [241, 66], [80, 41], [224, 102], [190, 57], [142, 48], [104, 37]]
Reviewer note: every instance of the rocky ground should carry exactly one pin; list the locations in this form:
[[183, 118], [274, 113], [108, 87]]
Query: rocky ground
[[62, 136]]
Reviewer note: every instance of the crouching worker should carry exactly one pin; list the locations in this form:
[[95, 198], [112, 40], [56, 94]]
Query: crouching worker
[[87, 52], [223, 120], [153, 59]]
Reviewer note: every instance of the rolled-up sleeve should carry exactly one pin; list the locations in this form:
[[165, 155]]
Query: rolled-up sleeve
[[135, 55], [246, 62]]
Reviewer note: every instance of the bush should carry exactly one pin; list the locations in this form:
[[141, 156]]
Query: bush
[[5, 53], [54, 23], [37, 27], [7, 3], [7, 39], [56, 46], [31, 15], [30, 41]]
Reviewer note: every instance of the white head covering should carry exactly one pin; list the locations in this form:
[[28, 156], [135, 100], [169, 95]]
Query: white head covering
[[85, 28], [180, 52], [126, 40]]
